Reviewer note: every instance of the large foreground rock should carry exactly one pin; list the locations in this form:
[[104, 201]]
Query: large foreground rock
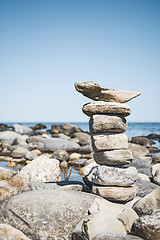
[[106, 108], [92, 90], [41, 169], [102, 123], [112, 141], [7, 232], [53, 214], [110, 176]]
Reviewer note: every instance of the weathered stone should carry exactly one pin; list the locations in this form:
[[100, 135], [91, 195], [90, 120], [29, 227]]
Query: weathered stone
[[41, 169], [149, 203], [156, 175], [92, 90], [67, 129], [156, 158], [142, 141], [138, 150], [61, 155], [50, 145], [84, 138], [143, 177], [155, 167], [110, 176], [148, 226], [102, 123], [112, 141], [13, 186], [23, 130], [86, 169], [142, 166], [19, 152], [7, 232], [113, 157], [101, 107], [116, 194], [7, 137], [30, 155], [144, 187], [111, 236], [5, 173]]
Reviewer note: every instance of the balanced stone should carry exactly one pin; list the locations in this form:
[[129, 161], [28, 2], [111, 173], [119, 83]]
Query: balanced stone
[[116, 194], [113, 157], [106, 108], [102, 123], [112, 176], [111, 141], [92, 90]]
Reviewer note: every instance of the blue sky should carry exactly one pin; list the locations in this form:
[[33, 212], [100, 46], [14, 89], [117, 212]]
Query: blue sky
[[47, 46]]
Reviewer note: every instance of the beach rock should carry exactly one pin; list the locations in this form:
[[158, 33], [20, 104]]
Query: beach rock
[[112, 141], [149, 203], [7, 232], [138, 150], [142, 141], [148, 226], [116, 194], [3, 127], [23, 130], [74, 156], [13, 186], [21, 140], [86, 149], [5, 173], [142, 166], [143, 177], [109, 176], [39, 126], [113, 157], [7, 137], [156, 177], [51, 213], [84, 138], [155, 167], [63, 164], [101, 107], [153, 136], [41, 169], [67, 129], [111, 236], [92, 90], [145, 187], [19, 152], [79, 163], [156, 158], [61, 155], [50, 145], [102, 123], [30, 155], [86, 169]]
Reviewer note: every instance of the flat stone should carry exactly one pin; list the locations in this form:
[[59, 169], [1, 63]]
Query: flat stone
[[112, 141], [113, 157], [116, 194], [102, 123], [102, 107], [110, 176], [92, 90]]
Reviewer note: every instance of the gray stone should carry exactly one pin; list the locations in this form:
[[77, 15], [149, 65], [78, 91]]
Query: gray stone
[[5, 173], [102, 123], [113, 157], [156, 158], [92, 90], [148, 226], [61, 155], [84, 138], [138, 150], [112, 141], [110, 176], [19, 152], [142, 166], [116, 194], [144, 187], [30, 155], [50, 145], [7, 232], [111, 236], [41, 169], [86, 149], [101, 107], [7, 137], [23, 130], [67, 129]]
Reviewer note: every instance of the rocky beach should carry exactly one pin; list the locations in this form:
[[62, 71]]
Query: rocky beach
[[118, 197]]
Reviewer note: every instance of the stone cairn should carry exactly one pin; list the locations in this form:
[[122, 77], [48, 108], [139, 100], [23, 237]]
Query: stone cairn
[[113, 178]]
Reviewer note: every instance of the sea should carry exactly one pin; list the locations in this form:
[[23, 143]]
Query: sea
[[134, 129]]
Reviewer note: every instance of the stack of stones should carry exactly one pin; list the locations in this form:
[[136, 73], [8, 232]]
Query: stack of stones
[[113, 178]]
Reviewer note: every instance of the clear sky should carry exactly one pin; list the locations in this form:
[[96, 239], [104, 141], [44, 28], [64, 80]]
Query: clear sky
[[48, 45]]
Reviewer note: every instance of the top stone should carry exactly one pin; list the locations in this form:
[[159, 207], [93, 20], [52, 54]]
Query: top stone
[[92, 90]]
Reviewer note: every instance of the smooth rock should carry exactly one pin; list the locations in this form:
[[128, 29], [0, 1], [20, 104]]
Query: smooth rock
[[148, 226], [149, 203], [92, 90], [21, 140], [61, 155], [50, 145], [19, 152], [13, 186], [113, 157], [7, 232], [116, 194], [67, 129], [109, 176], [7, 137], [79, 163], [86, 169], [102, 123], [142, 166], [156, 158], [5, 173], [23, 130], [138, 150], [41, 169], [111, 236], [87, 149], [74, 156], [84, 138], [112, 141], [144, 141], [101, 107], [30, 155]]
